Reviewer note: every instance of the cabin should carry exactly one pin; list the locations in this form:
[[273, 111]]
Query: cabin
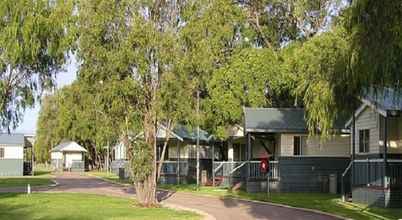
[[68, 156], [297, 162], [376, 168], [180, 162], [15, 155]]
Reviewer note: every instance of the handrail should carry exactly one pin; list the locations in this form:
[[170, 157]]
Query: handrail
[[216, 169], [238, 167], [347, 169]]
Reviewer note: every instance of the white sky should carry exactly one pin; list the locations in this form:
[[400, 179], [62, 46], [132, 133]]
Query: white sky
[[28, 126]]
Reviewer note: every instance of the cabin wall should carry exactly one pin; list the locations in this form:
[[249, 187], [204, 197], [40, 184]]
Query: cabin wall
[[13, 162], [189, 151], [337, 146], [368, 119], [120, 152], [394, 138], [70, 157]]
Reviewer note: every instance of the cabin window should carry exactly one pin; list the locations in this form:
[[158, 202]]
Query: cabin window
[[1, 153], [364, 140], [299, 142]]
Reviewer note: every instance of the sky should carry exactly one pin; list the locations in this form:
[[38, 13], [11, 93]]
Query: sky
[[28, 126]]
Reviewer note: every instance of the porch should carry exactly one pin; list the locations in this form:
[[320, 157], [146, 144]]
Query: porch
[[230, 173]]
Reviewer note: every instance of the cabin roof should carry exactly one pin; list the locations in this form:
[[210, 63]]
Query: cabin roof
[[281, 120], [12, 139], [69, 146], [275, 120]]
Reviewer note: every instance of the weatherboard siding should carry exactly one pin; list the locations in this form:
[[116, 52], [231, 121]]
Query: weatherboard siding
[[368, 119], [13, 151], [334, 146], [189, 151], [11, 167]]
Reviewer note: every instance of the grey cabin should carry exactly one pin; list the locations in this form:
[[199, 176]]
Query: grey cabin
[[376, 169], [15, 155], [297, 161], [180, 163]]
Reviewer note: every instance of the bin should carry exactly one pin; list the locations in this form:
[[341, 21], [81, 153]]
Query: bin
[[333, 184]]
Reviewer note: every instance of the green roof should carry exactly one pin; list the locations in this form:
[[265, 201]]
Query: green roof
[[188, 133]]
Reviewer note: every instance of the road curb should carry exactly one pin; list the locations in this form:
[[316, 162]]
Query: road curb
[[290, 207], [266, 203], [205, 215]]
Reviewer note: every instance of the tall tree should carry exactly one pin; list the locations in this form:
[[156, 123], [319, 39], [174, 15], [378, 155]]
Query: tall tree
[[34, 40]]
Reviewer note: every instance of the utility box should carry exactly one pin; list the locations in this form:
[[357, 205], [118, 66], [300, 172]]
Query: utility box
[[204, 177], [333, 183], [122, 173]]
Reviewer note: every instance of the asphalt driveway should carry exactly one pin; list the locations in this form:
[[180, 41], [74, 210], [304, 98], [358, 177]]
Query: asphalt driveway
[[221, 209]]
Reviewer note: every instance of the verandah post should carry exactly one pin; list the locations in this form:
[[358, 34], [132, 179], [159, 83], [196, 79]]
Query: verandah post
[[385, 151], [248, 156], [213, 159]]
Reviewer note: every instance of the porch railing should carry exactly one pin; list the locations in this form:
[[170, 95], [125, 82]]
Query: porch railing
[[370, 172], [171, 167], [238, 169]]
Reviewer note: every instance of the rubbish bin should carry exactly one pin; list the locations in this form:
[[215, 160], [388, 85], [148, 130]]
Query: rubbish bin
[[333, 184], [122, 175]]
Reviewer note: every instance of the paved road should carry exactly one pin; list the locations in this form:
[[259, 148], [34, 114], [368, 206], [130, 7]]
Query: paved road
[[219, 208]]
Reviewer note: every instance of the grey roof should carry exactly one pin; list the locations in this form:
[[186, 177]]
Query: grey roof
[[188, 133], [386, 99], [12, 139], [281, 120], [275, 120], [60, 146]]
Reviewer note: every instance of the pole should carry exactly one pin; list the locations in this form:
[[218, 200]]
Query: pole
[[32, 160], [108, 153], [385, 151], [198, 138], [213, 159], [353, 149], [178, 162]]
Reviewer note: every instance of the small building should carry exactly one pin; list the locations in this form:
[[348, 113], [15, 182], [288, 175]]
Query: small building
[[376, 170], [15, 155], [181, 149], [68, 156], [298, 162]]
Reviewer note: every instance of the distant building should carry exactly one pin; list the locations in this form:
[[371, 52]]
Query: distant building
[[14, 158]]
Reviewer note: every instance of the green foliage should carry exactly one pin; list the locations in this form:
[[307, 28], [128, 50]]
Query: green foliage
[[34, 40], [319, 66], [140, 156], [252, 78], [375, 28]]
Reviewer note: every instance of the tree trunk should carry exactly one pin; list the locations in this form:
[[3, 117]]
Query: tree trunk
[[146, 189], [162, 159]]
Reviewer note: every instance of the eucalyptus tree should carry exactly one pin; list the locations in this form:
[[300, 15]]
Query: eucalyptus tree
[[35, 36]]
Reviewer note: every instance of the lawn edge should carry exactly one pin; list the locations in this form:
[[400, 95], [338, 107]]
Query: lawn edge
[[107, 180], [205, 215], [265, 203]]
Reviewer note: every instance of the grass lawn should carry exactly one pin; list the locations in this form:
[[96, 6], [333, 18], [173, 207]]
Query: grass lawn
[[40, 178], [56, 206], [318, 201], [108, 176]]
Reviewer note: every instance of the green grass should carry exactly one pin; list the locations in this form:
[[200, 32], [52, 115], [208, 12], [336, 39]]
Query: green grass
[[55, 206], [108, 177], [318, 201], [41, 178]]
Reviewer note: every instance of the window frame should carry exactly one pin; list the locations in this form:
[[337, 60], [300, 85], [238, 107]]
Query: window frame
[[2, 153], [364, 140], [297, 150]]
